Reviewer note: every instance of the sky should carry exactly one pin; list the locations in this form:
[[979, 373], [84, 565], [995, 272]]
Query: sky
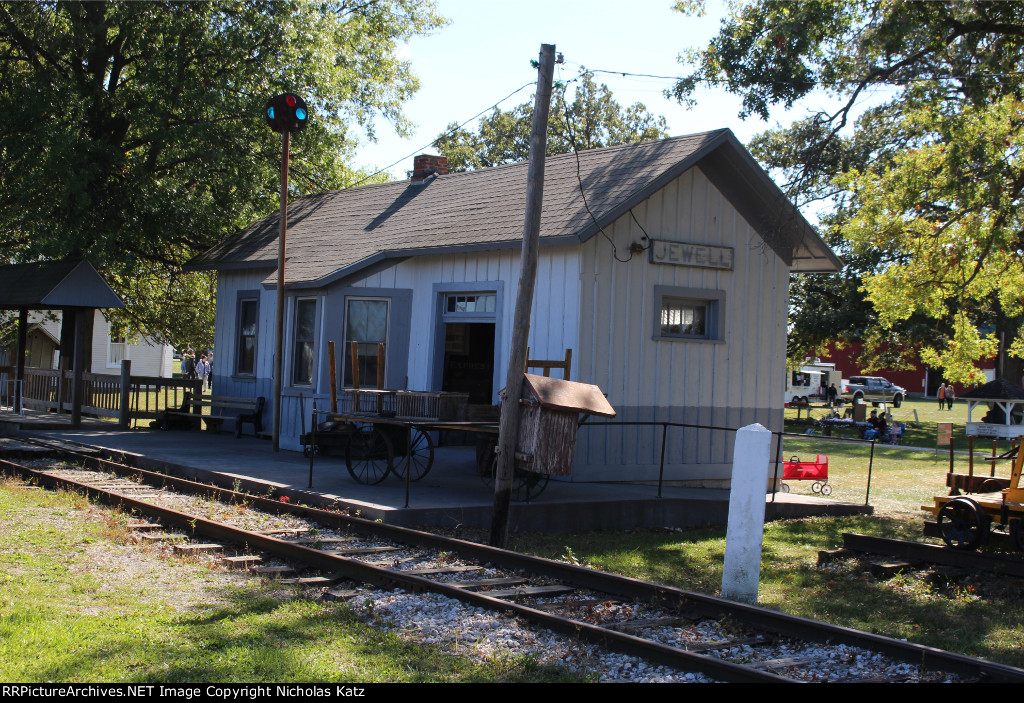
[[485, 52]]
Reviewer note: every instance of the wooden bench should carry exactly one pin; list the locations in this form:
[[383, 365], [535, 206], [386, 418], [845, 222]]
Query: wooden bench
[[243, 409]]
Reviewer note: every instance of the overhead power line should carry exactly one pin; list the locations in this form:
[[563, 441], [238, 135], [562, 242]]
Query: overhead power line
[[449, 132]]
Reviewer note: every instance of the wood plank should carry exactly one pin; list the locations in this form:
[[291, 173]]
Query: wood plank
[[480, 583], [531, 591]]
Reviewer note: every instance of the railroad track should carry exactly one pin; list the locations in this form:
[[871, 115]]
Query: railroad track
[[911, 553], [686, 631]]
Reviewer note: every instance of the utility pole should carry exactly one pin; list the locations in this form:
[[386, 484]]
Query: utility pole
[[508, 429]]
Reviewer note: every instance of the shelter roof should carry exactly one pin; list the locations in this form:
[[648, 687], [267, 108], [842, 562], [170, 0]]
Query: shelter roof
[[336, 234], [999, 389], [45, 285]]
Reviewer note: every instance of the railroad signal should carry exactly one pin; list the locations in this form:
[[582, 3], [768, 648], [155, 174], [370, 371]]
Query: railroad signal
[[286, 112]]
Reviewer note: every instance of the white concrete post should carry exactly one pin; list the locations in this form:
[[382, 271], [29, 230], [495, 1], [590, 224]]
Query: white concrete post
[[745, 533]]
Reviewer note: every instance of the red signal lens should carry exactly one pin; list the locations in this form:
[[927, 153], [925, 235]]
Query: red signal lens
[[290, 99]]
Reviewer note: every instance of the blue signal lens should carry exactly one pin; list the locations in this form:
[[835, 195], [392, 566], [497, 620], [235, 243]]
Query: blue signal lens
[[270, 112], [300, 113]]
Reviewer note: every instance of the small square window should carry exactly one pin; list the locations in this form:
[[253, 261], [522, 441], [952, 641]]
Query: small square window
[[689, 314], [683, 318]]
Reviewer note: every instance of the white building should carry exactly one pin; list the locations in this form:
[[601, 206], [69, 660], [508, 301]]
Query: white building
[[149, 357], [663, 265]]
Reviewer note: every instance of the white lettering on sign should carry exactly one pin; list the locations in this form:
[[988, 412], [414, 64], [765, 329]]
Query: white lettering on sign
[[697, 255]]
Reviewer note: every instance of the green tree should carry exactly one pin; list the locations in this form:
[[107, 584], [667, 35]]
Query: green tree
[[924, 186], [592, 119], [132, 133]]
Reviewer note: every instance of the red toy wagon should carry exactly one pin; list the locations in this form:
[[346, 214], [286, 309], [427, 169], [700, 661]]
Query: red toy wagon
[[817, 471]]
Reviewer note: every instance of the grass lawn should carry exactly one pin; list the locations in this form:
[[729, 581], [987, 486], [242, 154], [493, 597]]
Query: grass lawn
[[80, 604], [975, 614]]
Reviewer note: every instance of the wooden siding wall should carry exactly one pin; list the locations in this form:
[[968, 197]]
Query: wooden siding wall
[[554, 328], [225, 381], [728, 384], [555, 303]]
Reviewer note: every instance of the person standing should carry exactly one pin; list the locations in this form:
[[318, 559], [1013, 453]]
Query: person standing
[[833, 395], [188, 365], [202, 370], [950, 396], [209, 376], [942, 394]]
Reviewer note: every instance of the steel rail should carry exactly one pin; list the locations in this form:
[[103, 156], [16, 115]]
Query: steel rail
[[934, 554], [367, 573], [613, 584]]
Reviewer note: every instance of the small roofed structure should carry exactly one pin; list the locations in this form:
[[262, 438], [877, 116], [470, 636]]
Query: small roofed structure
[[72, 286], [1005, 404], [549, 416]]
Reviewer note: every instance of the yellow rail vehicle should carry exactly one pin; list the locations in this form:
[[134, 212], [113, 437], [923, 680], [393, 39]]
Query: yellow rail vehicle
[[964, 522]]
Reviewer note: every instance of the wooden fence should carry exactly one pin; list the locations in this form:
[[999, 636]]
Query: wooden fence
[[103, 395]]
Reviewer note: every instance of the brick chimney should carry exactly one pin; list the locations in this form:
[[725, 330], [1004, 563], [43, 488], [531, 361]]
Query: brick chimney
[[426, 164]]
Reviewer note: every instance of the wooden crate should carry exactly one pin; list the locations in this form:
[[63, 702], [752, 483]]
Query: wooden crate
[[549, 412]]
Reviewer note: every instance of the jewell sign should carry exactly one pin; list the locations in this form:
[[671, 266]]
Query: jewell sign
[[697, 255]]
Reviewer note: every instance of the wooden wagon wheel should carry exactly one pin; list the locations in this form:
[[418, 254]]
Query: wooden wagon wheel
[[420, 457], [369, 455], [962, 523]]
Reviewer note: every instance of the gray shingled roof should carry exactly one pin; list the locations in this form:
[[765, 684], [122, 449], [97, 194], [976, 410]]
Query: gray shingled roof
[[43, 285], [336, 234]]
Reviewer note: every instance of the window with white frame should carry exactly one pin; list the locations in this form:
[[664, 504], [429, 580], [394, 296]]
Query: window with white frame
[[117, 351], [366, 324], [689, 314], [304, 339]]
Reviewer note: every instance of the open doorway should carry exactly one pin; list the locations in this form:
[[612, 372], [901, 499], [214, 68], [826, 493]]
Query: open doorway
[[469, 360]]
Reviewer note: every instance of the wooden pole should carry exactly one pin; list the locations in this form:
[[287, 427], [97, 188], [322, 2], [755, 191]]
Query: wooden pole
[[508, 428], [19, 363], [124, 417], [380, 366], [77, 391], [279, 334], [354, 352], [970, 453]]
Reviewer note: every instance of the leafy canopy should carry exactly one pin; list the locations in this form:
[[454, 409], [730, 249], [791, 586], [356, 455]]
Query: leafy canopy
[[132, 133], [918, 170], [592, 119]]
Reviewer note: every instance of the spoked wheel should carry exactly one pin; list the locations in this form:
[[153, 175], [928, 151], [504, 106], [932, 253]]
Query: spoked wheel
[[962, 523], [526, 485], [421, 456], [369, 456], [816, 487], [785, 488], [826, 490]]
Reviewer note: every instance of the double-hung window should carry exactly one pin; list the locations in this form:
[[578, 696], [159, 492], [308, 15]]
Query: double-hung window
[[248, 327], [304, 339], [366, 324], [118, 350]]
